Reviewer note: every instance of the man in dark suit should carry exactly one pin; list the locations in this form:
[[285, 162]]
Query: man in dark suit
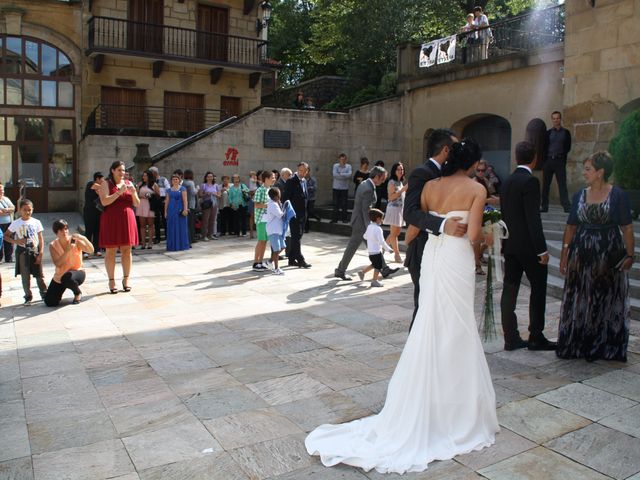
[[365, 198], [295, 190], [524, 251], [438, 147], [558, 145]]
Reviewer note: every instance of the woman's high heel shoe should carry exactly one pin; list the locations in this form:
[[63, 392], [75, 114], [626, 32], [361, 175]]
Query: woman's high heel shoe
[[112, 286], [125, 288]]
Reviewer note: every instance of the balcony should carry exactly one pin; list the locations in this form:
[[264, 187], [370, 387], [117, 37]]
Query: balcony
[[140, 120], [160, 42], [513, 39]]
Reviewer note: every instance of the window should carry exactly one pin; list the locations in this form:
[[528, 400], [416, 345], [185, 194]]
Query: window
[[34, 74]]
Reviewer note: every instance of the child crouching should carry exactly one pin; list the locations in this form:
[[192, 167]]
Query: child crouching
[[375, 246], [275, 227]]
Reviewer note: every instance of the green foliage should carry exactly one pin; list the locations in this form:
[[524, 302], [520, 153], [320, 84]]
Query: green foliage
[[358, 39], [625, 149]]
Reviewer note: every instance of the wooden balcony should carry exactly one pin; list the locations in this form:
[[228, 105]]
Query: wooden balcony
[[160, 42]]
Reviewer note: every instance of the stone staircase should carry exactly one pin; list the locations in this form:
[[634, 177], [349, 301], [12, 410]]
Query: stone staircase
[[553, 223]]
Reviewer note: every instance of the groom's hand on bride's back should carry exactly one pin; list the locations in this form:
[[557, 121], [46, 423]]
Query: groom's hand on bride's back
[[452, 226]]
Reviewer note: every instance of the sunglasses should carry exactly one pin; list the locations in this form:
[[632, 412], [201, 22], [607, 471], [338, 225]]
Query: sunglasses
[[481, 169]]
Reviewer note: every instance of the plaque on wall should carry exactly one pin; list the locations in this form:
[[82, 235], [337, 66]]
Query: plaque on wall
[[277, 139]]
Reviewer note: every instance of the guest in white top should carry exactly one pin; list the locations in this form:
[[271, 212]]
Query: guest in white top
[[275, 226], [375, 246]]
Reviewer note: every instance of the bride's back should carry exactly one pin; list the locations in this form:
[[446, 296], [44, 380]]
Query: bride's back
[[448, 194]]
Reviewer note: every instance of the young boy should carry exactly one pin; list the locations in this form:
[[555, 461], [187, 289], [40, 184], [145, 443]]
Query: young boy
[[375, 245], [260, 199], [275, 227], [26, 233]]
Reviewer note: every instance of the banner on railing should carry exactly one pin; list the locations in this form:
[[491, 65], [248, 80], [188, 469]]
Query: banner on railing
[[438, 52]]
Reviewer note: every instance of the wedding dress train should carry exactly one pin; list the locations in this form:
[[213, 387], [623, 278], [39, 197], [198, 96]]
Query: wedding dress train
[[440, 400]]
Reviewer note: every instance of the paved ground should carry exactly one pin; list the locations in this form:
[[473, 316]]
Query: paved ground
[[209, 371]]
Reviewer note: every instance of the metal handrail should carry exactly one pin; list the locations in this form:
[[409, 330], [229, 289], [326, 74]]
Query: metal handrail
[[163, 41]]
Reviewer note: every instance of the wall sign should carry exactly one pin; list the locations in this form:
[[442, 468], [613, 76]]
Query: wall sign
[[231, 157], [277, 139]]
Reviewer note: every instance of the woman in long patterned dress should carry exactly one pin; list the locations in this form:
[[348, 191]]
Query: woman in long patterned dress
[[597, 252]]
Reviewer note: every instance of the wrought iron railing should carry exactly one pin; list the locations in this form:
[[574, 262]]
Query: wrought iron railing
[[161, 41], [523, 33], [145, 120]]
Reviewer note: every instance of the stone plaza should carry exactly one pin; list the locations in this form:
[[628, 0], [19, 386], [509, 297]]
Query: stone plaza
[[207, 370]]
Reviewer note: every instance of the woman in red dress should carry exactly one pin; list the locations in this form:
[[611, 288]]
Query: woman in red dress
[[118, 227]]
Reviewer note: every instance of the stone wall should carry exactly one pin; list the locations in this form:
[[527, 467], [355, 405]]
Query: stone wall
[[316, 137], [602, 74]]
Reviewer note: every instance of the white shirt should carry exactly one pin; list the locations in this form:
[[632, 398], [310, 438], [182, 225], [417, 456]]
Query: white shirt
[[273, 217], [375, 239], [28, 229]]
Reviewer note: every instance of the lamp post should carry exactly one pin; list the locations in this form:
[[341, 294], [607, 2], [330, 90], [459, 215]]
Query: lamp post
[[262, 24]]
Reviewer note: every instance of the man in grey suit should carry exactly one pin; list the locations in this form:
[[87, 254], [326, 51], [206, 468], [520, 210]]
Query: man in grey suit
[[365, 198]]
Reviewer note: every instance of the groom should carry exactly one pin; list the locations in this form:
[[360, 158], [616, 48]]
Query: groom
[[524, 251], [438, 147]]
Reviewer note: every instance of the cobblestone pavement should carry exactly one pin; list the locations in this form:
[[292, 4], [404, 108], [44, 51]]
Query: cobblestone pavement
[[206, 370]]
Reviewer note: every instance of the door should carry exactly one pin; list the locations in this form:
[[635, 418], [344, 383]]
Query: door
[[146, 19], [230, 107], [123, 108], [213, 30], [183, 112]]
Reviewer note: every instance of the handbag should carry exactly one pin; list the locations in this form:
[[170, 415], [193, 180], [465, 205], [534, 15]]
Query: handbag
[[155, 202], [206, 204], [617, 258]]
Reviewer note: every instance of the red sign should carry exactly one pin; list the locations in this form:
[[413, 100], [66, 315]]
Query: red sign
[[231, 157]]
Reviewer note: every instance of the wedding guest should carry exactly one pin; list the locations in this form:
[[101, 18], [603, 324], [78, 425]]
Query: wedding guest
[[376, 246], [299, 101], [26, 233], [254, 183], [261, 199], [176, 211], [275, 227], [362, 173], [282, 178], [341, 175], [492, 200], [209, 194], [147, 189], [238, 197], [381, 190], [66, 254], [163, 185], [6, 216], [295, 190], [226, 213], [312, 188], [118, 228], [597, 253], [396, 189], [192, 193], [92, 211], [493, 178], [483, 33]]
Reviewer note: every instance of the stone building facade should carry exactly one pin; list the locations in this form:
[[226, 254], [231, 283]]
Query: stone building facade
[[76, 72]]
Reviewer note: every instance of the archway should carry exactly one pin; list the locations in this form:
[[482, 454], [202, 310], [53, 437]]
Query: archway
[[493, 133]]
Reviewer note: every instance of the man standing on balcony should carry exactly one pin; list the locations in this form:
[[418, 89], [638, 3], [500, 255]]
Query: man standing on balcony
[[555, 163], [160, 220], [483, 35]]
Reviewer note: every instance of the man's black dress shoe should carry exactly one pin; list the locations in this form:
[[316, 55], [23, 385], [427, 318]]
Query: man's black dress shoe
[[389, 271], [515, 344], [541, 344], [341, 275], [304, 264], [293, 263]]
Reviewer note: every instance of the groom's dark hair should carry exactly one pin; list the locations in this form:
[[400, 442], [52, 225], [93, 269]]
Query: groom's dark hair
[[439, 139], [525, 153]]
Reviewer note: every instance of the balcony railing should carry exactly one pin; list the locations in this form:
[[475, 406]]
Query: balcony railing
[[524, 33], [164, 42], [151, 121]]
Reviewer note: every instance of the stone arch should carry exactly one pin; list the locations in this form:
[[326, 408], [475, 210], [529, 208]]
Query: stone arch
[[493, 132], [68, 47]]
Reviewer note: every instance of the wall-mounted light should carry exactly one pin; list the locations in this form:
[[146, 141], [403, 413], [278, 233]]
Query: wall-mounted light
[[266, 8]]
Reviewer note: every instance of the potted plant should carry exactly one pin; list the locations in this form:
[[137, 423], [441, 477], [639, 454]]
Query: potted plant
[[625, 150]]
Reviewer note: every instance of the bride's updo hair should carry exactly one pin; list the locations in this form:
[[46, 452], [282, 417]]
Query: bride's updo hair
[[462, 156]]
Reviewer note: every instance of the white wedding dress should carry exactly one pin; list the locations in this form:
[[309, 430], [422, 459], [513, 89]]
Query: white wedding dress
[[440, 401]]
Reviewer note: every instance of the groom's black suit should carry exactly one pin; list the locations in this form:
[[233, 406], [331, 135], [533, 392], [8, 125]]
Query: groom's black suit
[[520, 201], [414, 215]]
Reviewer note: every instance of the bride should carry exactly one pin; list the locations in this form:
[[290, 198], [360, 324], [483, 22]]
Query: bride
[[440, 401]]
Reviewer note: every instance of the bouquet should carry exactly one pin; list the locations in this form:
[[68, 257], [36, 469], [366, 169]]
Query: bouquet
[[492, 223]]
